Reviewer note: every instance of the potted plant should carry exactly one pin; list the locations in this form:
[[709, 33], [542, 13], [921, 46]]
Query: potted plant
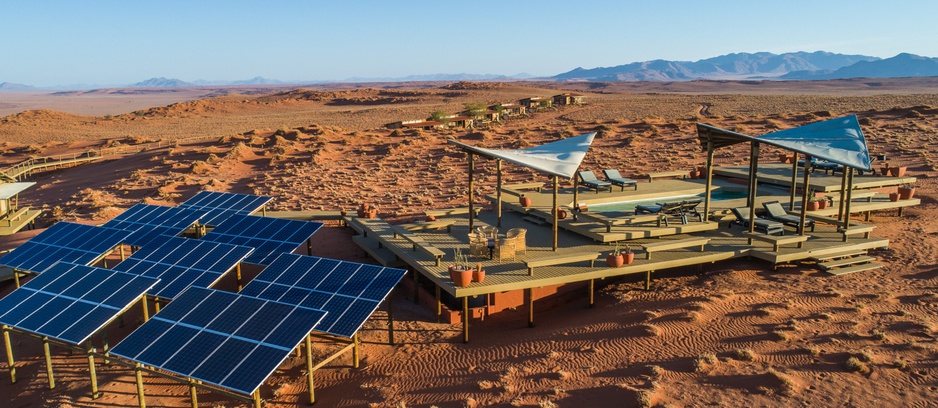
[[884, 170], [367, 211], [897, 171], [906, 191], [822, 203], [615, 259], [460, 272], [784, 158], [627, 254], [813, 204], [478, 275], [525, 201], [893, 196]]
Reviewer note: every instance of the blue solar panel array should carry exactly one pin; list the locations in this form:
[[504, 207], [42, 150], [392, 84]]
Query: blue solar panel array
[[64, 241], [222, 338], [71, 302], [150, 221], [349, 291], [219, 206], [268, 236], [183, 262]]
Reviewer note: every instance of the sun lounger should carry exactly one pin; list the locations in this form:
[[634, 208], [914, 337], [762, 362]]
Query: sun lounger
[[613, 176], [672, 208], [689, 207], [589, 180], [776, 212], [767, 227]]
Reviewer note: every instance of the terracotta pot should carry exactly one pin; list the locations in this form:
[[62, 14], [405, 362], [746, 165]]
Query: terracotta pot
[[430, 218], [884, 170], [813, 205], [702, 170], [821, 204], [784, 158], [906, 193], [615, 261], [561, 213], [693, 174], [462, 277], [893, 196], [897, 171], [525, 201], [478, 275], [629, 257]]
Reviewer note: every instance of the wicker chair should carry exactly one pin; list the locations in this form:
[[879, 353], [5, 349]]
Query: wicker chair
[[518, 234], [478, 245], [505, 248]]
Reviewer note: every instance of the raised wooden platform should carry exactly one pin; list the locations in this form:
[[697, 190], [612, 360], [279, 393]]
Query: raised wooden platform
[[780, 175]]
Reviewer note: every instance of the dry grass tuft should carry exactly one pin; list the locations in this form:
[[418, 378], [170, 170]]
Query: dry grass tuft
[[854, 364], [650, 330], [745, 355]]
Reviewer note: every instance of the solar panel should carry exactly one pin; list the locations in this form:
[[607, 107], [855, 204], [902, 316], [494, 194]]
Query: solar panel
[[219, 206], [183, 262], [222, 338], [149, 221], [268, 236], [71, 302], [349, 291], [64, 241]]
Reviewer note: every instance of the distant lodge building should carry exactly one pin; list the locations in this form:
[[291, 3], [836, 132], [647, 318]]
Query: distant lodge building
[[494, 113], [568, 99]]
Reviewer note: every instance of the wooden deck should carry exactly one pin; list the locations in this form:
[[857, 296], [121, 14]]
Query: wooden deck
[[780, 175], [511, 275]]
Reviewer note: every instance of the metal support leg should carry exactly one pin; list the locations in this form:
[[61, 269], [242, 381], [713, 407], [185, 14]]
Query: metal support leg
[[355, 351], [143, 302], [45, 349], [107, 352], [94, 376], [10, 363], [238, 276], [309, 370], [16, 278], [257, 399], [416, 287], [193, 394], [648, 279], [141, 400]]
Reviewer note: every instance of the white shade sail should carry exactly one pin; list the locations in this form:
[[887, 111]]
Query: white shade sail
[[837, 140], [560, 158]]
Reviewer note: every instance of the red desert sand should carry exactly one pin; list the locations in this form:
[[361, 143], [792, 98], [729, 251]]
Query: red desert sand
[[736, 334]]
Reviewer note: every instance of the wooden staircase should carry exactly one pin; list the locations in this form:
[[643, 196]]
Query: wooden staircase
[[842, 263]]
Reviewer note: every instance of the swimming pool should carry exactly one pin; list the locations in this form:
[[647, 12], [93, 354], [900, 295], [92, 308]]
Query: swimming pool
[[624, 206]]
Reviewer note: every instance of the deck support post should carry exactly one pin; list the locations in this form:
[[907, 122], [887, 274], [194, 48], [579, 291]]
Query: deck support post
[[709, 177], [48, 355], [91, 372], [648, 279], [390, 318], [193, 394], [555, 212], [806, 191], [592, 288], [576, 195], [465, 319], [416, 287], [530, 293], [309, 370], [141, 400], [471, 206], [794, 180], [498, 194], [9, 347], [843, 193], [439, 304], [753, 184], [849, 198]]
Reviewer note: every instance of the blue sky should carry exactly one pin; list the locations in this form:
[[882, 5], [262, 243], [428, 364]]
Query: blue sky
[[50, 43]]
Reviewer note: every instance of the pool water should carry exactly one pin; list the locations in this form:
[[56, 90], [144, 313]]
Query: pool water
[[626, 206]]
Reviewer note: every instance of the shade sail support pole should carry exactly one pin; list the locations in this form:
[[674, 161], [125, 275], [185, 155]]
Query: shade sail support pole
[[471, 198], [806, 191], [709, 177], [498, 192], [554, 211], [794, 180], [753, 184]]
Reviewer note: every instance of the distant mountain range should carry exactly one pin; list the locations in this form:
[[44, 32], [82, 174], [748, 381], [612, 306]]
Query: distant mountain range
[[761, 65], [818, 65]]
